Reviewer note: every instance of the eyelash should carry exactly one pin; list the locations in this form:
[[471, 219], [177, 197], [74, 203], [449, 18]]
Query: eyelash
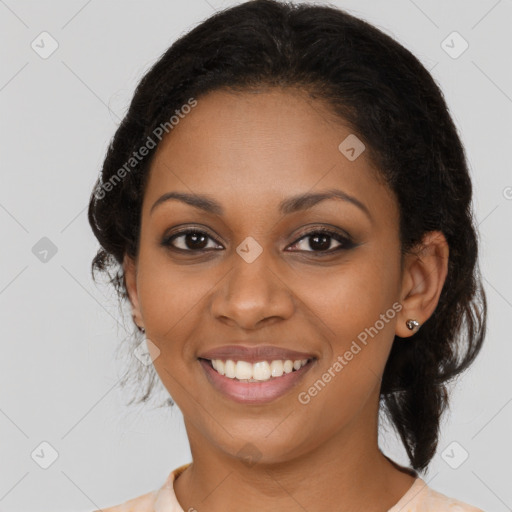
[[346, 242]]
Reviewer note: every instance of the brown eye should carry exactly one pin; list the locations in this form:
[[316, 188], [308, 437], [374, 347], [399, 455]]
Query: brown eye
[[315, 241], [321, 240], [191, 240]]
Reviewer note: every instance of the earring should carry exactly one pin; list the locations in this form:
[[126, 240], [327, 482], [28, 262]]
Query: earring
[[412, 324], [141, 329]]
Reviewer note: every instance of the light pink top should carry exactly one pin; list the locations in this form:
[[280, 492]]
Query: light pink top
[[419, 498]]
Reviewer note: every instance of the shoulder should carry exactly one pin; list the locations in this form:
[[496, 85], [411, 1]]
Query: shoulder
[[440, 502], [421, 497], [143, 503], [162, 498]]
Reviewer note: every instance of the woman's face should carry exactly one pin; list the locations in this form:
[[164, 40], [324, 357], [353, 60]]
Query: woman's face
[[262, 276]]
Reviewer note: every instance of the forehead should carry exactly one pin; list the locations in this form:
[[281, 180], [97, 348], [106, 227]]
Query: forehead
[[261, 147]]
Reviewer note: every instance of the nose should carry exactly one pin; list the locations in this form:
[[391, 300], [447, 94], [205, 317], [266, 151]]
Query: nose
[[253, 294]]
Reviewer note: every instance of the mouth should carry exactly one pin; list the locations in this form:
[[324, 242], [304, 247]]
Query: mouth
[[257, 382], [261, 371]]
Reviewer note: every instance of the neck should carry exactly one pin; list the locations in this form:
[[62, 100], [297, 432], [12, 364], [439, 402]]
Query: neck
[[348, 472]]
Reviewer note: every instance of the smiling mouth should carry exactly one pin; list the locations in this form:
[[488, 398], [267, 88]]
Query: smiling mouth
[[261, 371]]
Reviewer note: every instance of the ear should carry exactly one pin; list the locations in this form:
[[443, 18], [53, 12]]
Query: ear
[[130, 279], [423, 277]]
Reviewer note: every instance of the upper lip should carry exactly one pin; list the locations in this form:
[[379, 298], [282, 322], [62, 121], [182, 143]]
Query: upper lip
[[254, 354]]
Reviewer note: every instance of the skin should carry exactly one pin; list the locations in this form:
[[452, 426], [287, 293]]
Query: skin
[[249, 151]]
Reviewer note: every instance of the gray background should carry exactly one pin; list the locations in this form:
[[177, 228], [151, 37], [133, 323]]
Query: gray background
[[58, 369]]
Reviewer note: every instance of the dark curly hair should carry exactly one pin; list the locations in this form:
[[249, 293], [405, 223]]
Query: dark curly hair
[[394, 105]]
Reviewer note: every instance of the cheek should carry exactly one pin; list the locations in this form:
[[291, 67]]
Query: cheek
[[354, 295], [361, 320], [171, 299], [359, 307], [174, 301]]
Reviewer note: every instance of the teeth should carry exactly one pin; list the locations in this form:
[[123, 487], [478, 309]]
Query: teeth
[[243, 370], [276, 368], [220, 366], [229, 369], [257, 372], [261, 371]]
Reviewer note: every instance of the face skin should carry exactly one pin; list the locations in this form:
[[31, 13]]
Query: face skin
[[250, 151]]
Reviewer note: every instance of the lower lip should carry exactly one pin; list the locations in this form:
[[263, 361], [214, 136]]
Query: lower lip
[[254, 392]]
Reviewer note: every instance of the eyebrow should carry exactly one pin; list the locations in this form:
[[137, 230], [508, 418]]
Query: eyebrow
[[287, 206]]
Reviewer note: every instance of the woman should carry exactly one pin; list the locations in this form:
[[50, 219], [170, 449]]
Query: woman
[[287, 206]]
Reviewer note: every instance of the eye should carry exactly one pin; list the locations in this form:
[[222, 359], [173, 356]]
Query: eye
[[189, 240], [320, 240]]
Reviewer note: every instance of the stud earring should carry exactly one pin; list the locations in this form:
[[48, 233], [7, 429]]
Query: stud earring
[[141, 329], [412, 324]]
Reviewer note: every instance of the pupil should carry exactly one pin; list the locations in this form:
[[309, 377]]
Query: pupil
[[322, 245], [195, 240]]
